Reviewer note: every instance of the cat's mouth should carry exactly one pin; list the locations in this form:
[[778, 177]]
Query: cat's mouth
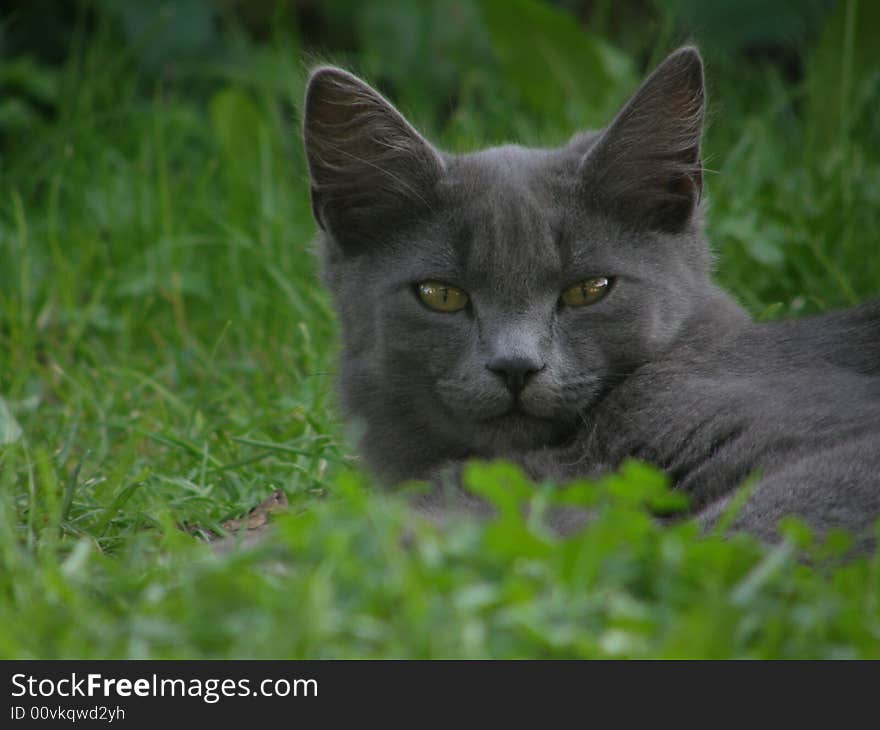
[[518, 409], [503, 424], [517, 413]]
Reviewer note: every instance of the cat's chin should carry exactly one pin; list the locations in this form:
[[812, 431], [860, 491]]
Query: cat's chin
[[516, 431]]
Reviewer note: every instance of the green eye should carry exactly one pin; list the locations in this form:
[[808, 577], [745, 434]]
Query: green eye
[[588, 291], [442, 297]]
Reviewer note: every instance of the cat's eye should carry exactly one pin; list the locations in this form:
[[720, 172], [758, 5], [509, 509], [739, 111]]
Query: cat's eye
[[442, 297], [588, 291]]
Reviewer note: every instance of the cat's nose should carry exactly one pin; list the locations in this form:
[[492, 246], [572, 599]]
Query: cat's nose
[[515, 371]]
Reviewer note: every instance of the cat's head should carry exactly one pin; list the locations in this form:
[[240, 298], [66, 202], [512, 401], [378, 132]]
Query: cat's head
[[488, 299]]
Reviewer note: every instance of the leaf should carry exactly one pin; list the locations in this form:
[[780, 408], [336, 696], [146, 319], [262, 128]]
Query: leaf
[[762, 574], [16, 115], [642, 484], [502, 483], [554, 64], [581, 493], [10, 431], [24, 77], [259, 516]]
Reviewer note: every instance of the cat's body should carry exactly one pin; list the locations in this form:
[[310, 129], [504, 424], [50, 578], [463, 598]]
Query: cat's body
[[763, 403], [577, 323]]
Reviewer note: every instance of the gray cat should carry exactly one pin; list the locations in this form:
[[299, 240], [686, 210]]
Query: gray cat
[[555, 307]]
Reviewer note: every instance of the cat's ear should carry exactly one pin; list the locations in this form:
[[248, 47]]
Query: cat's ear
[[646, 165], [370, 170]]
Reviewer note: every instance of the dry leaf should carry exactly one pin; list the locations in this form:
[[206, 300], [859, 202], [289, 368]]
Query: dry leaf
[[259, 515]]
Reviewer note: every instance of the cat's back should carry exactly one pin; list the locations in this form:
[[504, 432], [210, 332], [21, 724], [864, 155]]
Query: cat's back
[[796, 403], [849, 338], [813, 374]]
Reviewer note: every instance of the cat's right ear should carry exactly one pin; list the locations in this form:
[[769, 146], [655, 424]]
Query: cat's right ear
[[370, 170]]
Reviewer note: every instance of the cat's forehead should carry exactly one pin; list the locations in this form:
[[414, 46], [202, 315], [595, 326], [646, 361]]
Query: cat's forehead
[[509, 167], [506, 213]]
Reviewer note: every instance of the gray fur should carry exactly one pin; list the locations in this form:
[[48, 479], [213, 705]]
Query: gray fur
[[666, 368]]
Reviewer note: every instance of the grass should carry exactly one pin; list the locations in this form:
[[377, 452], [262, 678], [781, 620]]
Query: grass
[[166, 359]]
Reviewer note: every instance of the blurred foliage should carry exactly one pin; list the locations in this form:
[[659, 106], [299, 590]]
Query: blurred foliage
[[732, 27], [353, 576], [556, 67], [435, 57], [844, 74]]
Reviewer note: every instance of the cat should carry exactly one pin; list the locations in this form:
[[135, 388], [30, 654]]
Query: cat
[[555, 307]]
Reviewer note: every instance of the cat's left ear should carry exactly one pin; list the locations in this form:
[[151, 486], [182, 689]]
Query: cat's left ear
[[370, 170], [646, 166]]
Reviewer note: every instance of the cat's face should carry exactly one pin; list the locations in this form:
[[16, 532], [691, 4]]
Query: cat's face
[[488, 299]]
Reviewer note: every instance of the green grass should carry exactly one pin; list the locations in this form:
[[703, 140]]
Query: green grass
[[166, 360]]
